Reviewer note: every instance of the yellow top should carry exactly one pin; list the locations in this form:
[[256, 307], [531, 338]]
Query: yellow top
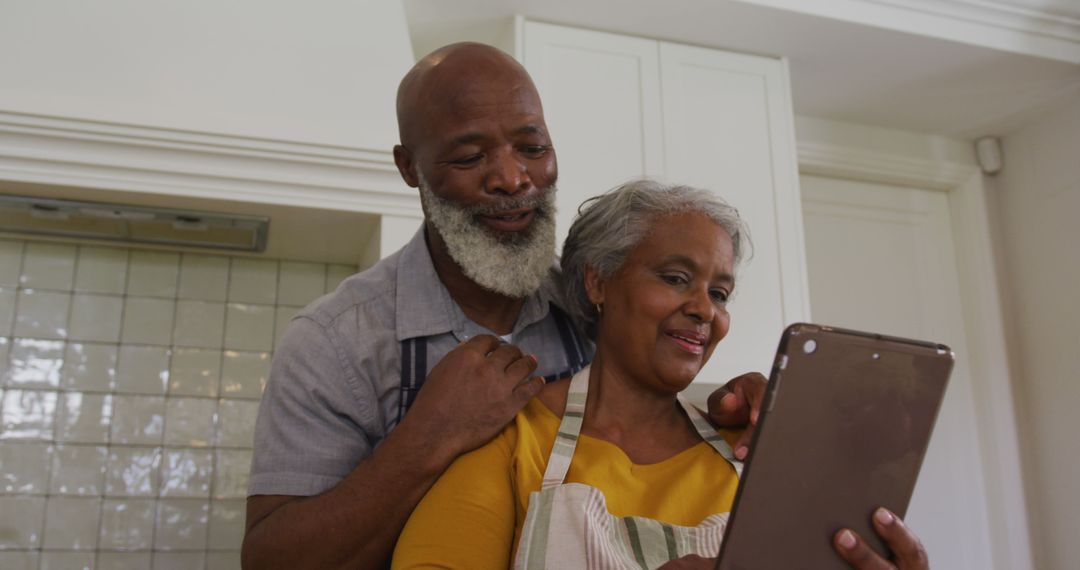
[[473, 515]]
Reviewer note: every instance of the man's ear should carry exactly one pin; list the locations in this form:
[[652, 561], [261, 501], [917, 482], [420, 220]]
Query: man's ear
[[406, 165], [594, 285]]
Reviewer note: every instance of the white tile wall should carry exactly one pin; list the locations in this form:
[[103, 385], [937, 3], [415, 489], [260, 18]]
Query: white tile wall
[[129, 386]]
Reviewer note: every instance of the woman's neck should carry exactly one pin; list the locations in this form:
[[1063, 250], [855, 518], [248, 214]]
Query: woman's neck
[[649, 426]]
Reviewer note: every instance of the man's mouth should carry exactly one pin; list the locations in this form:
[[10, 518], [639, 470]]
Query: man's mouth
[[690, 341], [509, 221]]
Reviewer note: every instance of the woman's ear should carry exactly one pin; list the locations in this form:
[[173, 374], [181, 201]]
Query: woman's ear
[[594, 286]]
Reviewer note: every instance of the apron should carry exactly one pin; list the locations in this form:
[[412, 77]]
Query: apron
[[414, 361], [568, 525]]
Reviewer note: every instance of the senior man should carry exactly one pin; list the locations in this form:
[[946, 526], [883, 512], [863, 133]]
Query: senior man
[[468, 309]]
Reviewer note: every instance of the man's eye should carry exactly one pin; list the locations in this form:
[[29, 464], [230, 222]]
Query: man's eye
[[468, 160], [535, 150]]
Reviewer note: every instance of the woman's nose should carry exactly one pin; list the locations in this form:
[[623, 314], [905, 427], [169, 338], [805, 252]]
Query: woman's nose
[[700, 305]]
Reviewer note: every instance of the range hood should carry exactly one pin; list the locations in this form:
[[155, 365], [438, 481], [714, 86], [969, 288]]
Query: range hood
[[132, 224]]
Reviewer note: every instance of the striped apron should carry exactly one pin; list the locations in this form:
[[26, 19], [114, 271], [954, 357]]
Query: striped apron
[[567, 525]]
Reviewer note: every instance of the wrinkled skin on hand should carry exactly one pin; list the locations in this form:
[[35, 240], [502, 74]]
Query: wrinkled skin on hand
[[474, 391], [737, 405]]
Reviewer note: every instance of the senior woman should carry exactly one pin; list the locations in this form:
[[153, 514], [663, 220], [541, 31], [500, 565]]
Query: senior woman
[[612, 469]]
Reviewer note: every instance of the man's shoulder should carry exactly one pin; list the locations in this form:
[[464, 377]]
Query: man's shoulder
[[369, 292]]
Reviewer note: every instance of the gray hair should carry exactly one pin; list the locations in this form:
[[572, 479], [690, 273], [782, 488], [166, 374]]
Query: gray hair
[[612, 224]]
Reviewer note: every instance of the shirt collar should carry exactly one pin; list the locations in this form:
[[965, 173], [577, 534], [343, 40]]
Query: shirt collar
[[424, 306]]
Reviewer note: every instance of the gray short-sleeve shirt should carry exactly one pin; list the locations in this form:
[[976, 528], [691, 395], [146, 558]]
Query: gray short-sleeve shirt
[[334, 391]]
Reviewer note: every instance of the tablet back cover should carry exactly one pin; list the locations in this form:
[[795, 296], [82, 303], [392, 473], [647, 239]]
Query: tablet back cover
[[847, 420]]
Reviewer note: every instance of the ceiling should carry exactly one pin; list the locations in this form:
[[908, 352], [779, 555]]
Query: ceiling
[[962, 68]]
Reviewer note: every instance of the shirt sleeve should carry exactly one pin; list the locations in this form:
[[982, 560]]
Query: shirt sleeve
[[313, 427], [466, 520]]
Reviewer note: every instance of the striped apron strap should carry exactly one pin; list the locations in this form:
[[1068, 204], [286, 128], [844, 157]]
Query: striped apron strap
[[413, 371], [709, 434], [569, 430]]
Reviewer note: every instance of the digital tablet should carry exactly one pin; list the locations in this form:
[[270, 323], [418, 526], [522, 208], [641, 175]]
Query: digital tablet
[[845, 423]]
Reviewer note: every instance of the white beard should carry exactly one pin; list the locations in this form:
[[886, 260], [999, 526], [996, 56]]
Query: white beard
[[511, 264]]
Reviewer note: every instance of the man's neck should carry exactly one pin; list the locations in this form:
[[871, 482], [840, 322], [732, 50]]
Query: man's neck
[[493, 311]]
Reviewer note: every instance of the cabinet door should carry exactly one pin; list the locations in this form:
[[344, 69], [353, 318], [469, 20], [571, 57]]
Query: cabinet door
[[728, 128], [601, 98]]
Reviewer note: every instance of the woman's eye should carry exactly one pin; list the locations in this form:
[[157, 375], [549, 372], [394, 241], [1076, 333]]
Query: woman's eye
[[673, 279], [719, 295]]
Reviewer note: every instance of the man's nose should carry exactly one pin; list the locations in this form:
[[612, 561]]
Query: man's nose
[[508, 174]]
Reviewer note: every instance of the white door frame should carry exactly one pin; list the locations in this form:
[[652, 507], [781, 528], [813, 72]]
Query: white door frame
[[981, 312]]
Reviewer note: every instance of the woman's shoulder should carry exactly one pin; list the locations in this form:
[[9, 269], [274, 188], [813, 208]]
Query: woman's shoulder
[[553, 396]]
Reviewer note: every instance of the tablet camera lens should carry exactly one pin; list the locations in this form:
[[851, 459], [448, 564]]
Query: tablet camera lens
[[809, 346]]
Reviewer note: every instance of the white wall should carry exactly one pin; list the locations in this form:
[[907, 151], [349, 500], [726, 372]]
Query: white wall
[[322, 73], [1038, 202]]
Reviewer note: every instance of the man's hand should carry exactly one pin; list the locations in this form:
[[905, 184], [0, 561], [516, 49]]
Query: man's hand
[[474, 391], [908, 552], [737, 404]]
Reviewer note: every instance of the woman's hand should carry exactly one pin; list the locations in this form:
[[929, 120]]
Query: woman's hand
[[737, 405], [908, 552]]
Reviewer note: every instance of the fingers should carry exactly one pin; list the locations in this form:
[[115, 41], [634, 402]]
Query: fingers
[[854, 550], [528, 389], [908, 551], [742, 446], [738, 402]]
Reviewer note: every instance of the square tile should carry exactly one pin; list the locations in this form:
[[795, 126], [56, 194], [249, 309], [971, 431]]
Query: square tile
[[190, 421], [48, 266], [21, 521], [28, 415], [95, 317], [227, 524], [133, 472], [231, 473], [42, 314], [138, 419], [244, 374], [148, 321], [153, 273], [24, 467], [125, 560], [71, 523], [199, 324], [10, 262], [7, 310], [204, 277], [34, 363], [142, 369], [187, 473], [300, 283], [194, 372], [83, 417], [282, 317], [68, 560], [101, 270], [21, 560], [89, 367], [236, 423], [126, 524], [249, 327], [181, 524], [223, 560], [78, 470], [179, 560], [335, 274], [253, 281]]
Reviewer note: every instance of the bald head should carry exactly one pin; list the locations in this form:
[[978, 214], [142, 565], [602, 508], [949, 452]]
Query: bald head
[[456, 76]]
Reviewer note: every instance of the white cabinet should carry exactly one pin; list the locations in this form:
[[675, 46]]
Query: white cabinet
[[621, 107]]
